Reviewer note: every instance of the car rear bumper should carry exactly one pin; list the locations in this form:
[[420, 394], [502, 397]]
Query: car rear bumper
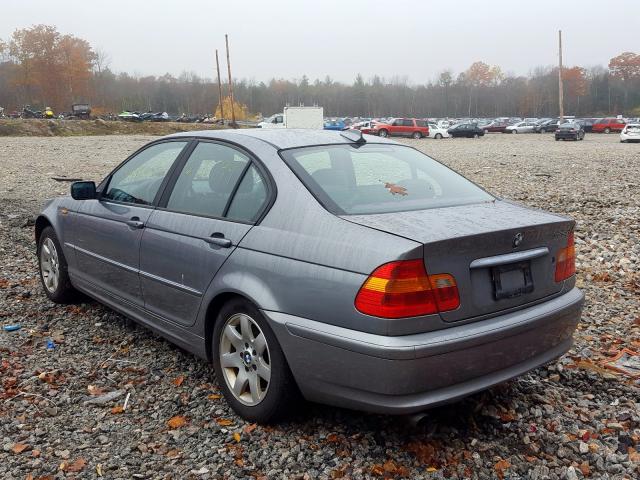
[[407, 374], [629, 138], [568, 136]]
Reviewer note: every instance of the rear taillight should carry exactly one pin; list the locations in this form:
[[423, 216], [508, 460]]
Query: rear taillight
[[404, 289], [566, 260]]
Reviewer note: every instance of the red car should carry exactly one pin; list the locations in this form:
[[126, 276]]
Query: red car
[[608, 125], [494, 127], [402, 127]]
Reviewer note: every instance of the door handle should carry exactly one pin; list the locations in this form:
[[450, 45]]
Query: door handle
[[218, 239], [135, 222]]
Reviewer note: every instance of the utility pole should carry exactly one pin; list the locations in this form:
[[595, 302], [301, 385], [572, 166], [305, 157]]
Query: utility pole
[[233, 113], [219, 88], [560, 89]]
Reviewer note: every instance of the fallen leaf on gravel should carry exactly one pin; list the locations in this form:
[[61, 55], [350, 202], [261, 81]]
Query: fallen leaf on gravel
[[333, 438], [93, 390], [507, 417], [178, 381], [76, 466], [214, 396], [500, 467], [19, 448], [117, 409], [634, 455], [236, 436], [250, 428], [174, 453], [177, 421], [584, 468], [99, 469], [424, 452], [377, 470], [224, 422], [390, 467]]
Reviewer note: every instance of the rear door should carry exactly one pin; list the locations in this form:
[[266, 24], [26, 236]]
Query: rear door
[[108, 230], [210, 204]]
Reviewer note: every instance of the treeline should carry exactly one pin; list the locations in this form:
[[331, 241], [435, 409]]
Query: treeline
[[41, 67]]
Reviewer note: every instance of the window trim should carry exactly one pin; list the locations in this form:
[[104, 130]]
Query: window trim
[[253, 160], [104, 185]]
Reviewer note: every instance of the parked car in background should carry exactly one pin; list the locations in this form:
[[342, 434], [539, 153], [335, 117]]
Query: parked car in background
[[397, 288], [402, 127], [468, 130], [630, 133], [335, 125], [521, 127], [365, 127], [274, 121], [608, 125], [587, 123], [495, 127], [437, 132], [570, 131]]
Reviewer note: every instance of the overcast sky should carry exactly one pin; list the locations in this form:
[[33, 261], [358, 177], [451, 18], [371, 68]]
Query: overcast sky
[[289, 38]]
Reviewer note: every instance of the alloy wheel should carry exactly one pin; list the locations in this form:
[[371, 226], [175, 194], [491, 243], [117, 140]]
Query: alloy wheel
[[244, 359], [49, 265]]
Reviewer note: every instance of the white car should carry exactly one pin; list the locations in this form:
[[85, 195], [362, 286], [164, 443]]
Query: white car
[[438, 131], [274, 121], [630, 133], [521, 127]]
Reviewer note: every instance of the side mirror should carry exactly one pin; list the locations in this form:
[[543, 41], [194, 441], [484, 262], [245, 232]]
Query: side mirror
[[83, 190]]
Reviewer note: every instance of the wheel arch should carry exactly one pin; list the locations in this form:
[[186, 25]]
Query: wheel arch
[[42, 222]]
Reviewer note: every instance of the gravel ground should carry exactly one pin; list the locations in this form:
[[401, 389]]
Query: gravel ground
[[572, 419]]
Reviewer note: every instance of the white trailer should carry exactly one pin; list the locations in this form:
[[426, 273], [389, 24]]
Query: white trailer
[[304, 117], [296, 117]]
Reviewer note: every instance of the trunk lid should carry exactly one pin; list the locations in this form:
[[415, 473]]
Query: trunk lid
[[502, 255]]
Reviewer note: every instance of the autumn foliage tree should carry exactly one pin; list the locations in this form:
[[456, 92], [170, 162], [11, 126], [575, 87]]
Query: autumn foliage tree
[[50, 68], [41, 66]]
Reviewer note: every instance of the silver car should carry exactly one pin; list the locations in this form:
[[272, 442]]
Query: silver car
[[346, 269]]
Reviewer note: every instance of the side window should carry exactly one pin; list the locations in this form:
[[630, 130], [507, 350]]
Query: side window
[[408, 122], [397, 123], [207, 180], [279, 119], [138, 180], [249, 198]]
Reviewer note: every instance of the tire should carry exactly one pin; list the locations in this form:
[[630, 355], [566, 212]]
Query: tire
[[557, 139], [53, 269], [607, 130], [383, 133], [438, 136], [274, 397], [514, 131], [475, 135], [416, 135]]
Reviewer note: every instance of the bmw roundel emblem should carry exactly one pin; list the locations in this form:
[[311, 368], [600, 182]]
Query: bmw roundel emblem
[[518, 239]]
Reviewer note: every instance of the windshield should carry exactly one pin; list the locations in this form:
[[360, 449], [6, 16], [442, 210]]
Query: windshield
[[376, 178]]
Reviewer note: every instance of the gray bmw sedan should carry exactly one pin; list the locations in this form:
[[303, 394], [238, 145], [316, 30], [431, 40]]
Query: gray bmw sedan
[[344, 269]]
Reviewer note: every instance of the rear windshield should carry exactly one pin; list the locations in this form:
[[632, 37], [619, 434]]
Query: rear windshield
[[375, 178]]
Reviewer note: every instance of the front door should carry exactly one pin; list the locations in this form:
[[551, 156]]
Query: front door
[[108, 230], [202, 217]]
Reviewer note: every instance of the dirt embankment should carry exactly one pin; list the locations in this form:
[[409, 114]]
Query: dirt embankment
[[67, 128]]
